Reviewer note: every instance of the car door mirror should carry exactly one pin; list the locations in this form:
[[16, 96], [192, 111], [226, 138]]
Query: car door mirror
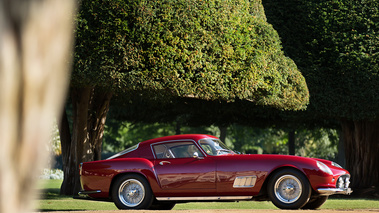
[[196, 156]]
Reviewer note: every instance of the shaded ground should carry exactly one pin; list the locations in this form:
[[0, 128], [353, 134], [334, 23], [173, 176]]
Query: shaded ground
[[228, 211]]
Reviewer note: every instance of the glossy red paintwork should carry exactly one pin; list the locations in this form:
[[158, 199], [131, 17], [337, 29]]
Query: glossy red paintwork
[[190, 177]]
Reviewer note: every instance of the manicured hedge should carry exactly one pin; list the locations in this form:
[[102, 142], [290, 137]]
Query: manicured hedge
[[211, 49]]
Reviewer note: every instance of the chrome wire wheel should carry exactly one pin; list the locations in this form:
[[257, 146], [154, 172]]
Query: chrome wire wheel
[[288, 189], [131, 193]]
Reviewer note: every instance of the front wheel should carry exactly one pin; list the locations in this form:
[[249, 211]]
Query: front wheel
[[289, 189], [132, 192]]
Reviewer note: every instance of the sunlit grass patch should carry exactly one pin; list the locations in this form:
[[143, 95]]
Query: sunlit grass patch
[[50, 200]]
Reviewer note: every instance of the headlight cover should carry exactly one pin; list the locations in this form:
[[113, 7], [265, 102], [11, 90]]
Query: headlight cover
[[336, 165], [324, 168]]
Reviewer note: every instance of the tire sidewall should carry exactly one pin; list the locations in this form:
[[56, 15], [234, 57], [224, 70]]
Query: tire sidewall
[[305, 194], [162, 205], [315, 203], [147, 200]]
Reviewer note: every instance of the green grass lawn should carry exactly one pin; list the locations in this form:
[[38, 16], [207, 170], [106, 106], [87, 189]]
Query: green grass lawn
[[51, 201]]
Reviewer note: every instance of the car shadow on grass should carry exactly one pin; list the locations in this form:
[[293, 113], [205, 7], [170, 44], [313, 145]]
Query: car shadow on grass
[[51, 194]]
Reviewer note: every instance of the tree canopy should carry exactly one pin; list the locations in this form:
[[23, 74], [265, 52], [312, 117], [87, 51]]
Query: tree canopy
[[204, 49], [215, 50], [335, 44]]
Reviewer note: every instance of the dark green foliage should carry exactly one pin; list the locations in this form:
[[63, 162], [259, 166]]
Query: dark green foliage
[[196, 112], [100, 37], [336, 45], [213, 49]]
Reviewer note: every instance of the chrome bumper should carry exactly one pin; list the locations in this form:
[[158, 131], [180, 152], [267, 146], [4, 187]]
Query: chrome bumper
[[84, 195], [89, 192], [332, 191]]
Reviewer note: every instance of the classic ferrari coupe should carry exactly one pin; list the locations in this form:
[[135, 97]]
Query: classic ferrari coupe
[[158, 173]]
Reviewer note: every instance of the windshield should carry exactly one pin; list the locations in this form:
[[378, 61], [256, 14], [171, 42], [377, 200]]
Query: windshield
[[214, 147]]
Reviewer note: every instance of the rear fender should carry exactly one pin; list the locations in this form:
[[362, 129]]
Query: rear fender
[[99, 175]]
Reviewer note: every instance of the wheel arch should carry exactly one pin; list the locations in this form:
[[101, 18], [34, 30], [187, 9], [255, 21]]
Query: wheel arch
[[263, 191], [120, 175], [289, 188], [140, 197]]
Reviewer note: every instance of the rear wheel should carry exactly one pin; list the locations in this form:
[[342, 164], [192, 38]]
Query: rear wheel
[[315, 203], [289, 189], [132, 192]]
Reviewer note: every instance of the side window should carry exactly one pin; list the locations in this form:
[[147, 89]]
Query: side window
[[176, 150], [162, 152]]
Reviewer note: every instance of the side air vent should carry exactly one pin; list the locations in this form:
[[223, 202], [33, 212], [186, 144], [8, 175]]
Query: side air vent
[[244, 181]]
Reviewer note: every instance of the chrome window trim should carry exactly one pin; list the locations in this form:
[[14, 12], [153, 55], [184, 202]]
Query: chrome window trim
[[124, 152], [173, 141]]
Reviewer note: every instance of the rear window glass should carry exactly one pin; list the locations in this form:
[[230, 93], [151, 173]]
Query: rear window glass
[[132, 148]]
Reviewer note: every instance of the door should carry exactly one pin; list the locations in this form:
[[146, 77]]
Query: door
[[182, 166]]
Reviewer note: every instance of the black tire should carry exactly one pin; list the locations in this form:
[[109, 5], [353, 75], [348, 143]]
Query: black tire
[[132, 192], [289, 189], [315, 203], [157, 205]]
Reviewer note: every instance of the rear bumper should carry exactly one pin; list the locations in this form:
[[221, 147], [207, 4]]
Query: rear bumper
[[85, 195], [89, 192], [332, 191]]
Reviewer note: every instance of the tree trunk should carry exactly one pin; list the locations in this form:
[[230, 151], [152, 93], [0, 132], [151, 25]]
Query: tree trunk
[[177, 128], [223, 132], [341, 157], [99, 106], [35, 49], [65, 136], [362, 160], [80, 145], [90, 108]]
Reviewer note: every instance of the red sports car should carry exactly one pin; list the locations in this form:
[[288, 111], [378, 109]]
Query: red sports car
[[158, 173]]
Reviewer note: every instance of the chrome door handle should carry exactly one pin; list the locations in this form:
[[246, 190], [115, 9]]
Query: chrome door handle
[[164, 162]]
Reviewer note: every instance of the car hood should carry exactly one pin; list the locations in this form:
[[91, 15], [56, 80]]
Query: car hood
[[283, 160]]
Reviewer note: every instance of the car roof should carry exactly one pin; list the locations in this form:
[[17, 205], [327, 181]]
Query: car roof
[[194, 137]]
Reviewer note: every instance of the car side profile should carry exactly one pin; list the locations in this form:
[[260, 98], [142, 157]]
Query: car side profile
[[158, 173]]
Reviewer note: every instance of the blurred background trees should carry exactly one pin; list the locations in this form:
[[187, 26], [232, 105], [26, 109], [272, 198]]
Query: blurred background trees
[[320, 143]]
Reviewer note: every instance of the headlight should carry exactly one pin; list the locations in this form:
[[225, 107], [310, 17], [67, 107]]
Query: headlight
[[343, 182], [336, 164], [340, 183], [347, 182], [324, 168]]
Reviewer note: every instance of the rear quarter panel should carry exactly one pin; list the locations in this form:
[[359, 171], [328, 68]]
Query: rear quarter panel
[[98, 175]]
